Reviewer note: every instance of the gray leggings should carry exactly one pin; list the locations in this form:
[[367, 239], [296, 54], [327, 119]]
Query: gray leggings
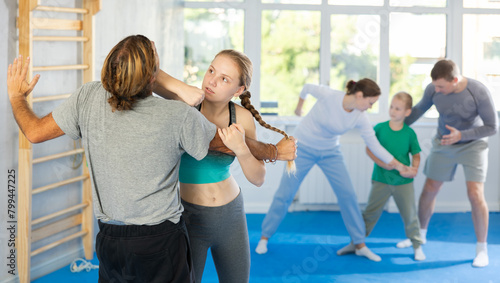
[[223, 229]]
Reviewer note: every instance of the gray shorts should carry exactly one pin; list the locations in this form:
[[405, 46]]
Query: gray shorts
[[442, 161]]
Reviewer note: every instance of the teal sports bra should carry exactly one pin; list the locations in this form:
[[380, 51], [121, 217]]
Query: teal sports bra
[[211, 169]]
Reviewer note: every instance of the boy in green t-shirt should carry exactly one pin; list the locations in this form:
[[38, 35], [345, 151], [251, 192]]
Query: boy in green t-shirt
[[401, 141]]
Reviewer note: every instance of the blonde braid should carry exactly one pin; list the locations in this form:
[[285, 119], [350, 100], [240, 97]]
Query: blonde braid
[[245, 102]]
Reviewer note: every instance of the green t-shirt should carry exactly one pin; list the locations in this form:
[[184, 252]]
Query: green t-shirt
[[400, 144]]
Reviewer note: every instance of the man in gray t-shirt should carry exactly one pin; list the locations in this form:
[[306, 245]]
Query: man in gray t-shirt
[[467, 117], [134, 155], [133, 142]]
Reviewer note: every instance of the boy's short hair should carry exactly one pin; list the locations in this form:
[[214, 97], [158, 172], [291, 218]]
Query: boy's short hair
[[405, 97]]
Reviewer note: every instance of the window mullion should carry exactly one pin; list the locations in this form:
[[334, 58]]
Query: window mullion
[[384, 72], [324, 49], [455, 31], [252, 46]]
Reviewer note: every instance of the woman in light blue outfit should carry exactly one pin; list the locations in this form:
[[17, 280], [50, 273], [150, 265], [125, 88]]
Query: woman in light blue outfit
[[318, 135]]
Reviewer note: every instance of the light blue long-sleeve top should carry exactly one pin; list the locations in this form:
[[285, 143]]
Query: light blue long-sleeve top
[[322, 127]]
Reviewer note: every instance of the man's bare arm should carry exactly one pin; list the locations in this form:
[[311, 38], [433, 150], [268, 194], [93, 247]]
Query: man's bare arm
[[285, 149], [34, 128]]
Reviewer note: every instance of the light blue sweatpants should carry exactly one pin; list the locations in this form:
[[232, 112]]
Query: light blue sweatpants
[[331, 162]]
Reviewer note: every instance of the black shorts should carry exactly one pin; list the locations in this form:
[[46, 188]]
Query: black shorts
[[142, 253]]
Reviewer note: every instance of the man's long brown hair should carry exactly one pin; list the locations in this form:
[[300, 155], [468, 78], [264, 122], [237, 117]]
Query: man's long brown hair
[[128, 71]]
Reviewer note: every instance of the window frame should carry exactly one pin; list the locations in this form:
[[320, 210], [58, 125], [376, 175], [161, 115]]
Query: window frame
[[454, 12]]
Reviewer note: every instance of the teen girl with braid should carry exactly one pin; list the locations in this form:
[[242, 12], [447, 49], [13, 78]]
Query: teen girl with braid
[[212, 200], [318, 133]]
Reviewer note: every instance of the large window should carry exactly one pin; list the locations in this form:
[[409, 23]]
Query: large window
[[481, 51], [357, 2], [394, 42], [355, 49], [418, 3], [413, 52], [482, 4], [289, 56]]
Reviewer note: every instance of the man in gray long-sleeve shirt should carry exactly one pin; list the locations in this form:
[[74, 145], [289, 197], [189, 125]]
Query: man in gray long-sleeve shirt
[[467, 117]]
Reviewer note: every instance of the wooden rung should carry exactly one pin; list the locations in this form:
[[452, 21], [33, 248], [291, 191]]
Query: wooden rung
[[51, 97], [60, 68], [58, 184], [59, 213], [56, 24], [56, 227], [60, 38], [58, 155], [57, 243], [61, 9]]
